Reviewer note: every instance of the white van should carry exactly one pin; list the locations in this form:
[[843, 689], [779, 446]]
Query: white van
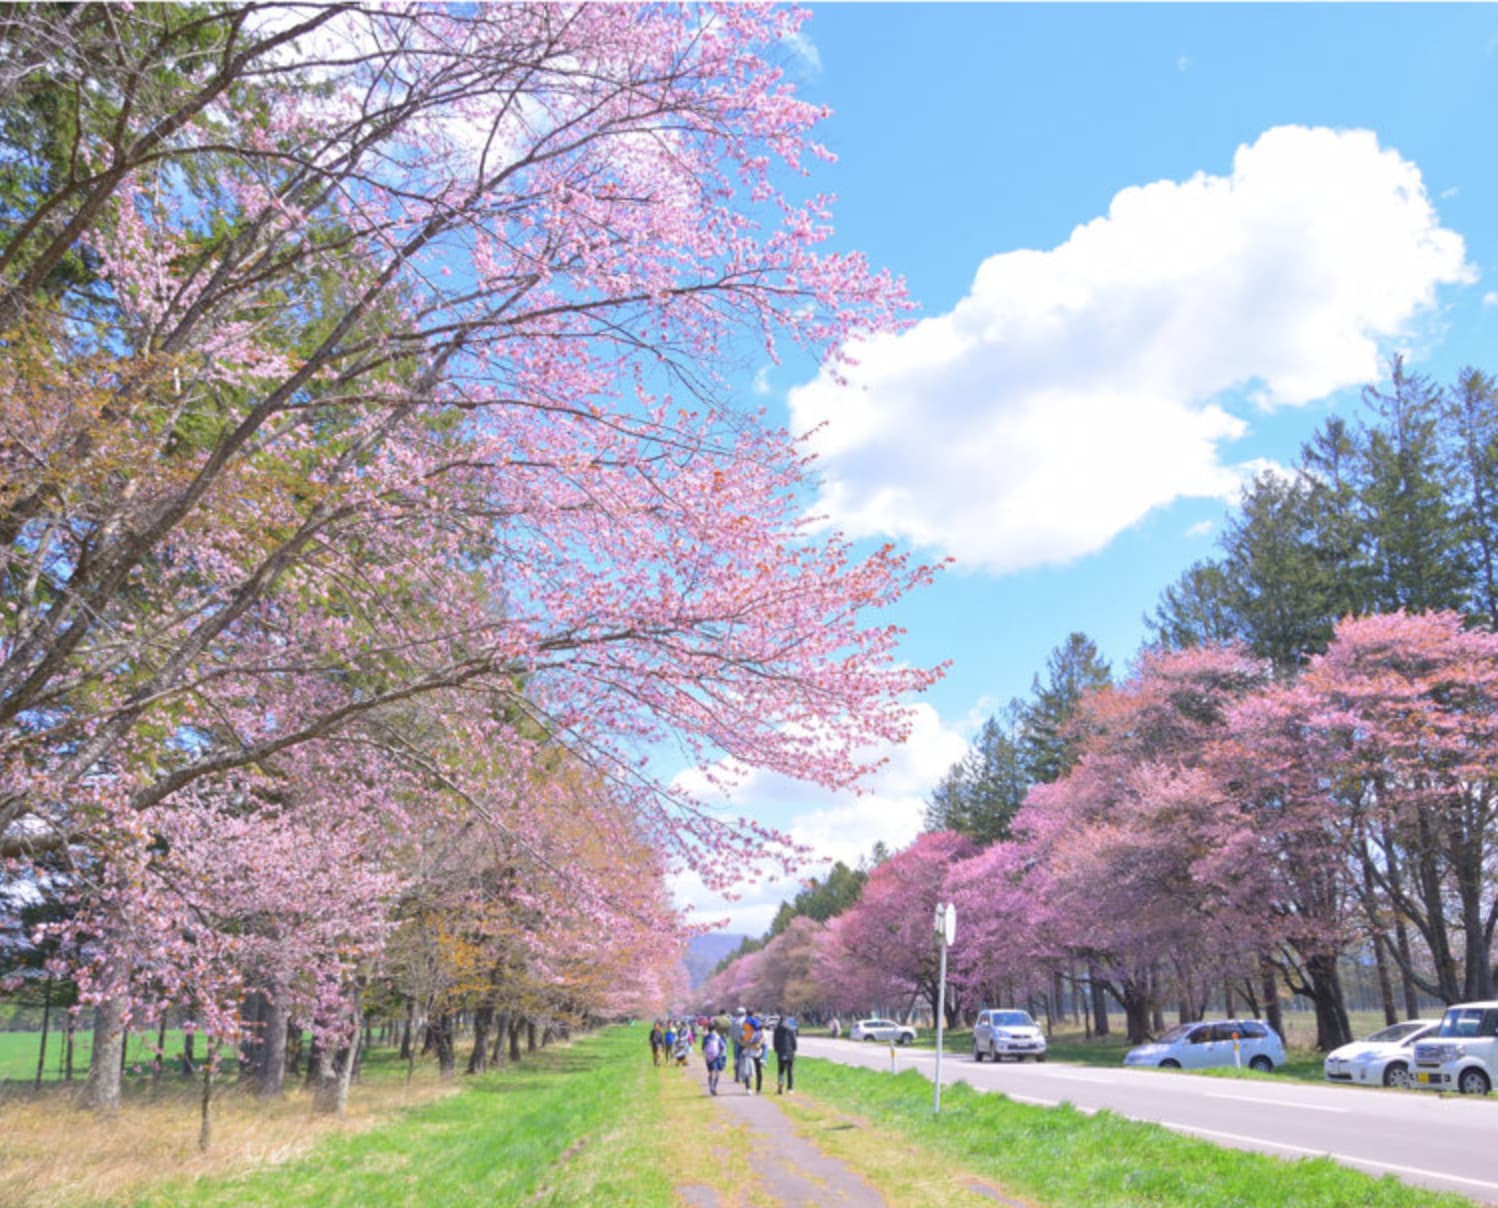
[[1462, 1055]]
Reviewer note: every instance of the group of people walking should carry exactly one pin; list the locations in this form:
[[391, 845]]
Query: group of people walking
[[746, 1037], [672, 1041]]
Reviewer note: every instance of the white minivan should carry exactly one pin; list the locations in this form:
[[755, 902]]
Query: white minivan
[[1463, 1055], [1213, 1043]]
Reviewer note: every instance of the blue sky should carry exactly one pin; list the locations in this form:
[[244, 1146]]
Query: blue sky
[[1152, 247]]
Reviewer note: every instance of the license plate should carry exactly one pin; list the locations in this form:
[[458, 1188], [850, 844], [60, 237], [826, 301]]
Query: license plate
[[1422, 1078]]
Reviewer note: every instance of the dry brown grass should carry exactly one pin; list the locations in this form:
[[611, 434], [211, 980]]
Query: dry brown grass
[[57, 1155]]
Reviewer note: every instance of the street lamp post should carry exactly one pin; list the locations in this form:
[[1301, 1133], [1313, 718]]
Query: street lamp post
[[945, 924]]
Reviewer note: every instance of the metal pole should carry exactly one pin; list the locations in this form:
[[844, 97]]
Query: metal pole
[[941, 1014]]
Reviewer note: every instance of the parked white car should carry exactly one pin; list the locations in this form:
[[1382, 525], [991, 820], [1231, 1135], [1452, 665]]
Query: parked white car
[[1199, 1046], [1463, 1054], [1381, 1060], [1000, 1034], [882, 1029]]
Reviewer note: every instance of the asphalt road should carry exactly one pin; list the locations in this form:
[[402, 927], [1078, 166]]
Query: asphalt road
[[1421, 1138]]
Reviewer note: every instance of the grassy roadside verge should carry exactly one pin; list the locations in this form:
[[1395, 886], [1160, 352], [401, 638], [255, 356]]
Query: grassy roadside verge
[[1061, 1157], [570, 1125]]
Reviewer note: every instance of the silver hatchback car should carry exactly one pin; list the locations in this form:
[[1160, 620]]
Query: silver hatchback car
[[1224, 1042]]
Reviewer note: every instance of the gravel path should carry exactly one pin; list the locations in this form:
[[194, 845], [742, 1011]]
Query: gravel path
[[789, 1167]]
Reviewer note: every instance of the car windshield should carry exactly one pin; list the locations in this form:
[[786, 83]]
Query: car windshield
[[1175, 1033], [1400, 1031], [1462, 1022], [1012, 1019]]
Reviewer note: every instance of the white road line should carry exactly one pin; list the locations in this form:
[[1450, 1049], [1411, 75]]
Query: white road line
[[1212, 1132], [1310, 1107], [1349, 1159]]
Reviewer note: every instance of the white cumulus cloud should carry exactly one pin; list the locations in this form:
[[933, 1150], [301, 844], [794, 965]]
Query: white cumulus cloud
[[1074, 390], [836, 826]]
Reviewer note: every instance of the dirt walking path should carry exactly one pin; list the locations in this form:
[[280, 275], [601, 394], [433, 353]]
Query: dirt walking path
[[791, 1170]]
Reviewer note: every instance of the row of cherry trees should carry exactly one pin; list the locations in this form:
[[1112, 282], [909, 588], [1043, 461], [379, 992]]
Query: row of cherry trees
[[373, 501], [1221, 830]]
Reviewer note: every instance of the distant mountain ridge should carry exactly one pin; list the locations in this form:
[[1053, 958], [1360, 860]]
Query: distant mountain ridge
[[705, 951]]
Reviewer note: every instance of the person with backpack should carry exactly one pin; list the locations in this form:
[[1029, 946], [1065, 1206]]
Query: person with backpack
[[754, 1033], [785, 1055], [657, 1042], [743, 1035], [714, 1056]]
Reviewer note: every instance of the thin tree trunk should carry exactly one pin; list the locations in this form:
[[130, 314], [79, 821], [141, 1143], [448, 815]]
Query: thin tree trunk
[[205, 1125], [406, 1030], [160, 1059], [514, 1038], [1099, 1001], [1385, 982], [41, 1057]]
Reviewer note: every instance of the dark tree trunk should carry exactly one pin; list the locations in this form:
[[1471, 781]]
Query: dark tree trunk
[[514, 1038], [1272, 1013], [483, 1021], [441, 1032], [1324, 988], [530, 1035], [1099, 1001], [102, 1090], [295, 1047], [72, 1029], [314, 1061], [1385, 981], [271, 1083], [501, 1030], [406, 1030], [252, 1015], [1135, 999]]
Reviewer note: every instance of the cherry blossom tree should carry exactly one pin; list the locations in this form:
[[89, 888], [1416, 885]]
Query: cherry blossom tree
[[1108, 852], [1405, 718], [883, 950], [361, 357]]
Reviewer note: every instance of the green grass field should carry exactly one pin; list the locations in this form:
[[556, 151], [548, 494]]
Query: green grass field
[[19, 1050]]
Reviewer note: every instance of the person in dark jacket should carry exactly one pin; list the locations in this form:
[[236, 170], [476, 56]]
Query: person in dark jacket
[[785, 1054]]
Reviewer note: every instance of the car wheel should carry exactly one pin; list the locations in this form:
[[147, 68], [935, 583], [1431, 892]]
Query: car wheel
[[1262, 1064], [1397, 1074], [869, 1038], [904, 1039], [1170, 1063], [1473, 1082], [1040, 1058]]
